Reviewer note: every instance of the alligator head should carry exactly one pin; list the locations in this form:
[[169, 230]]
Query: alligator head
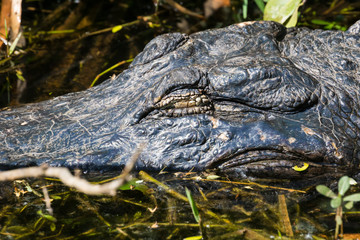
[[251, 99]]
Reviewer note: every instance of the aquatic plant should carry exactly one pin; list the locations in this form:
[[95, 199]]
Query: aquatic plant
[[339, 200]]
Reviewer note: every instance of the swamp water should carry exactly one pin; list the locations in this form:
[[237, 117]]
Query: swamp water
[[154, 206]]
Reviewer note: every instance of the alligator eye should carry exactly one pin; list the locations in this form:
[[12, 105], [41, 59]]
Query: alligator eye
[[184, 102], [276, 88]]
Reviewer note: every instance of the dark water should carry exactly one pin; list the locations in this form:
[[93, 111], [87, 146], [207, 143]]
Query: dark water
[[228, 209]]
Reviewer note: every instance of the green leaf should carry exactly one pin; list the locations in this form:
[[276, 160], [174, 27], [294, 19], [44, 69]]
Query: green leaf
[[293, 19], [192, 204], [317, 238], [49, 217], [320, 22], [327, 192], [193, 238], [260, 4], [19, 75], [17, 229], [349, 205], [343, 185], [46, 216], [135, 184], [64, 31], [55, 197], [280, 10], [116, 28], [52, 227], [335, 202], [212, 177], [353, 197], [352, 181], [13, 45], [245, 8]]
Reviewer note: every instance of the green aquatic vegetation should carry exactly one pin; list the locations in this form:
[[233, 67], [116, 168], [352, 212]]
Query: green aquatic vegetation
[[282, 11], [195, 212], [159, 208], [9, 64], [260, 4], [194, 209], [328, 24], [110, 69], [339, 200]]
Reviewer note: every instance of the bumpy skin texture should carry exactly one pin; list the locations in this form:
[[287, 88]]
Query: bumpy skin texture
[[251, 99]]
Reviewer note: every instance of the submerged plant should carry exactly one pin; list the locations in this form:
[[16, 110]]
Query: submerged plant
[[339, 200], [195, 212]]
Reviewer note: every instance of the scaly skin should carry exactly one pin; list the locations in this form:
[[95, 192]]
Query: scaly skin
[[251, 99]]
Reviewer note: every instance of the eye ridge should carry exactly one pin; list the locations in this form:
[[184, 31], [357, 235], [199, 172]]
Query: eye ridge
[[281, 90]]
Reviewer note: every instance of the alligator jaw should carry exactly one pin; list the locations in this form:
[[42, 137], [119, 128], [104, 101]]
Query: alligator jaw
[[267, 163], [282, 169]]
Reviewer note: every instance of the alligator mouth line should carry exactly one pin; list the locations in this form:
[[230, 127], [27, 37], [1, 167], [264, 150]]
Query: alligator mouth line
[[254, 157], [273, 163]]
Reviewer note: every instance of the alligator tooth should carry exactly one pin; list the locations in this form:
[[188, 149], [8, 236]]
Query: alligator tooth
[[197, 109]]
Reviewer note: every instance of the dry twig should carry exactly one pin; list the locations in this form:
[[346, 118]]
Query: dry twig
[[74, 181], [183, 9], [47, 200]]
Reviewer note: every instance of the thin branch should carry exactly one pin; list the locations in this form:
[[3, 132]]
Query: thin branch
[[47, 200], [184, 10], [74, 181]]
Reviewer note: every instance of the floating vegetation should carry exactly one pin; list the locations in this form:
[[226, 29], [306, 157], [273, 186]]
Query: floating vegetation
[[157, 208]]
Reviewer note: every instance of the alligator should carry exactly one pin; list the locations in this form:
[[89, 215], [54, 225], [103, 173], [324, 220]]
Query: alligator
[[253, 99]]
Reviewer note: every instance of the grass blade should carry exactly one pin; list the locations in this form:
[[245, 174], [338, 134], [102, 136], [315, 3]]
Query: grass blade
[[192, 204]]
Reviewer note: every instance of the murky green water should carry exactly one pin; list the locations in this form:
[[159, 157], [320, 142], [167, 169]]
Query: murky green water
[[228, 210]]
